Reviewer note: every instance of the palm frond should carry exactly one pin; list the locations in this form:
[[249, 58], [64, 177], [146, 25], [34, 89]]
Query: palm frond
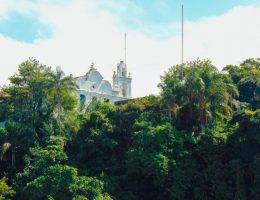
[[4, 148]]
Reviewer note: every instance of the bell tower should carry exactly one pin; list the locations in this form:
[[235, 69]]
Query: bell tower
[[122, 81]]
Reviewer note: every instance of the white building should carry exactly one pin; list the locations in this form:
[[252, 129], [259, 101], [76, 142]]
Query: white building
[[92, 85]]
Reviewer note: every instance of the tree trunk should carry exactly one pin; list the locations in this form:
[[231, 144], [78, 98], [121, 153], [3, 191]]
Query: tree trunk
[[240, 183], [203, 114], [59, 111], [13, 157], [170, 115], [59, 117]]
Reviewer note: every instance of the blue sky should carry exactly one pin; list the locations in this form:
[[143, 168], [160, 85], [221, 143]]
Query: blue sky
[[149, 16], [74, 33], [151, 12], [152, 16], [24, 27]]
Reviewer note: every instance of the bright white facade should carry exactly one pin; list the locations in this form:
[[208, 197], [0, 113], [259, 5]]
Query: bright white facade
[[92, 85]]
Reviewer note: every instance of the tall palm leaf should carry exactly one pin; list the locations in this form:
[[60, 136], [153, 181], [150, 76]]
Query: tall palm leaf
[[4, 148], [61, 86]]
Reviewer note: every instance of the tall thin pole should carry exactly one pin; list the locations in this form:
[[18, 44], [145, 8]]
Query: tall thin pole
[[125, 47], [181, 42]]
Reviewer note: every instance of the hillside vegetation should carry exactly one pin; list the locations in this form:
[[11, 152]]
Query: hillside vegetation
[[199, 139]]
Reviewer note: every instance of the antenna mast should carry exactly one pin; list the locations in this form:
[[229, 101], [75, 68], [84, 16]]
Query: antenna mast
[[125, 48], [181, 42]]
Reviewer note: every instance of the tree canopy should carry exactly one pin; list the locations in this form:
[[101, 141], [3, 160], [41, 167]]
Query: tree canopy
[[198, 139]]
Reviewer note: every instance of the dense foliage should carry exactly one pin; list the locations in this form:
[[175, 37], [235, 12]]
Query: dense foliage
[[199, 139]]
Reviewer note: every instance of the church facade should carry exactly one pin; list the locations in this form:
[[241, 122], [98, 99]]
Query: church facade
[[92, 85]]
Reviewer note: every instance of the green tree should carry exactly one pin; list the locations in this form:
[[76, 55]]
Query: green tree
[[52, 149], [61, 92], [47, 175], [5, 191], [151, 159], [245, 145], [30, 106], [203, 96], [27, 109], [247, 78]]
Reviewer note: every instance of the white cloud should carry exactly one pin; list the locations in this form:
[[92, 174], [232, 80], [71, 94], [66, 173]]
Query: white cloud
[[83, 33]]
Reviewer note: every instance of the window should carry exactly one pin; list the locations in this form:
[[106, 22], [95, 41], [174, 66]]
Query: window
[[124, 92], [106, 100], [82, 99], [93, 86]]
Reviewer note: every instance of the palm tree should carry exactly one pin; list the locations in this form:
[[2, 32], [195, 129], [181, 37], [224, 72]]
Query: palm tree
[[204, 91], [61, 87], [4, 148]]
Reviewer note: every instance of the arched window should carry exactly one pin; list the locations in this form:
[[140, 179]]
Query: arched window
[[124, 92], [106, 100], [82, 99]]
